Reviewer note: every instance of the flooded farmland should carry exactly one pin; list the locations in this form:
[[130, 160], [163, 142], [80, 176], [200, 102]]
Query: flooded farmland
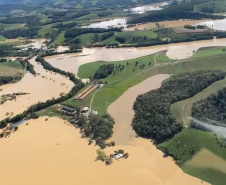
[[71, 62], [45, 85], [58, 154]]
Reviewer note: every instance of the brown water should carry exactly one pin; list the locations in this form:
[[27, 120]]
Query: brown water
[[71, 62], [53, 153], [41, 88], [161, 170]]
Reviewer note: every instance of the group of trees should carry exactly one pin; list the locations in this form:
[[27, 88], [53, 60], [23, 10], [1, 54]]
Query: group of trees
[[49, 67], [107, 69], [5, 50], [28, 33], [188, 38], [103, 71], [212, 109], [98, 128], [72, 33], [152, 110], [5, 79], [26, 64]]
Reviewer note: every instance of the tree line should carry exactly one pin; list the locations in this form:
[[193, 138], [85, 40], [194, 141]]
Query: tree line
[[153, 118], [28, 33], [69, 34], [26, 64], [189, 38], [98, 128]]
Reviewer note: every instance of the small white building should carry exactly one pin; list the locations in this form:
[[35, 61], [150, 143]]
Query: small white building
[[85, 109], [118, 156]]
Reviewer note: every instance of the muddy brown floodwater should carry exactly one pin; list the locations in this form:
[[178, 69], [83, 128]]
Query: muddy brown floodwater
[[72, 62], [160, 170], [41, 87], [51, 152]]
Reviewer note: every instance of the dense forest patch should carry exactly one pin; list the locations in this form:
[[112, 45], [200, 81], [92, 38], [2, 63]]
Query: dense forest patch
[[212, 110], [152, 110]]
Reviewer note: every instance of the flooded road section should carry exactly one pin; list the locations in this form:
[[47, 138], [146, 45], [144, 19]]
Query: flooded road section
[[52, 152], [154, 166], [71, 62], [45, 85]]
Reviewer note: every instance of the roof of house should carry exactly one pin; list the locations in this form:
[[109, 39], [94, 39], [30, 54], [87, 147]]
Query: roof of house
[[118, 156], [68, 108]]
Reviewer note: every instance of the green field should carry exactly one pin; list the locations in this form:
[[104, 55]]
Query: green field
[[59, 40], [190, 141], [137, 36], [47, 29], [215, 177], [118, 83], [106, 96], [2, 38], [162, 58], [9, 68], [206, 52]]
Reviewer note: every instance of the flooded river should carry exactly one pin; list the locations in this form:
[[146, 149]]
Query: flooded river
[[51, 152], [41, 87], [71, 62]]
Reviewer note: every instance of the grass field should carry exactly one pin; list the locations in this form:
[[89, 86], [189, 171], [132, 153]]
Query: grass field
[[210, 52], [109, 94], [215, 177], [185, 144], [105, 97], [88, 70], [9, 68], [12, 26], [162, 58], [188, 143], [2, 38], [137, 36], [46, 30], [60, 39]]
